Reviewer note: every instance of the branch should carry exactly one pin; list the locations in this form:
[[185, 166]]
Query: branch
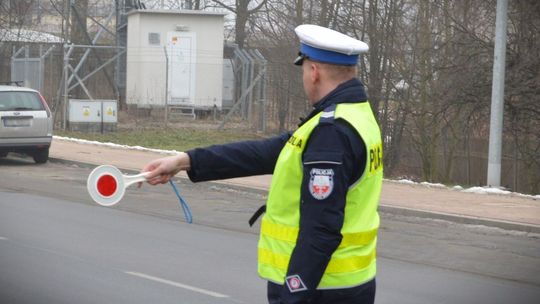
[[225, 6], [258, 7]]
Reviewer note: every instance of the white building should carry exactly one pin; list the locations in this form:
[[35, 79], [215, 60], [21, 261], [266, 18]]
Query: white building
[[193, 42]]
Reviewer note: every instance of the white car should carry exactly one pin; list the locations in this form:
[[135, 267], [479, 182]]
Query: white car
[[25, 123]]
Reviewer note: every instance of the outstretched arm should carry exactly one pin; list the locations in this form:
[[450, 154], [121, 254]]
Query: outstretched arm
[[238, 159]]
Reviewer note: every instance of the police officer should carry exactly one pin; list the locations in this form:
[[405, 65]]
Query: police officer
[[319, 232]]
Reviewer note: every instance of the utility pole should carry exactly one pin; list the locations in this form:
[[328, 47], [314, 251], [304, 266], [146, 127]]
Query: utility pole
[[67, 40], [166, 85], [497, 97]]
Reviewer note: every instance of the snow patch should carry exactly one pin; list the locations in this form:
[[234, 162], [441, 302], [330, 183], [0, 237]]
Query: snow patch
[[486, 190], [432, 185], [406, 181], [116, 146]]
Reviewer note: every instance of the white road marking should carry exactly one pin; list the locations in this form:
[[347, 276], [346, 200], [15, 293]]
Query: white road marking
[[3, 238], [176, 284]]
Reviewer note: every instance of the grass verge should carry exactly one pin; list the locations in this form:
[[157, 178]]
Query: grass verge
[[165, 138]]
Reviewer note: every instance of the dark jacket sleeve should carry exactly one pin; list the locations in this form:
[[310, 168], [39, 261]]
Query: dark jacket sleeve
[[335, 150], [238, 159]]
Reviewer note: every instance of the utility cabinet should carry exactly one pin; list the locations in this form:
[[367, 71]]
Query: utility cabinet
[[92, 115]]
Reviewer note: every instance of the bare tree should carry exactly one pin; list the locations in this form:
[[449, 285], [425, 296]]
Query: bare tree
[[522, 102], [243, 13], [16, 14]]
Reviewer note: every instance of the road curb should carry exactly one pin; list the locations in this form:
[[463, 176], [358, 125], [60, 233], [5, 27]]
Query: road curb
[[457, 218], [461, 219]]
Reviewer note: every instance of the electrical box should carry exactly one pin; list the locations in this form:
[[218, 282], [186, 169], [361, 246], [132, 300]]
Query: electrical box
[[92, 110], [92, 115]]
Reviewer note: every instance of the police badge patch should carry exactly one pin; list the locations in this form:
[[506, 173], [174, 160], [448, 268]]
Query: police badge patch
[[295, 283], [321, 183]]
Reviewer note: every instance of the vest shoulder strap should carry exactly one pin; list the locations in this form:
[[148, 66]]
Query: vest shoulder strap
[[327, 116]]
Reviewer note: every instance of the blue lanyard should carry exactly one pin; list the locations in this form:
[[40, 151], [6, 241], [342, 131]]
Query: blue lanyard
[[183, 204]]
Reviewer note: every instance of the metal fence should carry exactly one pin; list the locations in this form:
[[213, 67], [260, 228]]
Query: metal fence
[[29, 70]]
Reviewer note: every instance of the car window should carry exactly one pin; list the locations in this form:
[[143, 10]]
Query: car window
[[20, 101]]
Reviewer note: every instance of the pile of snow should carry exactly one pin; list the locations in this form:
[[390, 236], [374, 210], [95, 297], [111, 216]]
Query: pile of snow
[[406, 181], [437, 185], [410, 182], [486, 190]]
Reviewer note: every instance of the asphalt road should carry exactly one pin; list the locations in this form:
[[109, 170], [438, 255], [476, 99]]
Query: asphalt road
[[56, 246]]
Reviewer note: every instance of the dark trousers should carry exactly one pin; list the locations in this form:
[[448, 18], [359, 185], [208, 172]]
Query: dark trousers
[[363, 294]]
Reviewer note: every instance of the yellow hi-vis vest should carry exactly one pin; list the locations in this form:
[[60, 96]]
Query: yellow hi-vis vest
[[353, 262]]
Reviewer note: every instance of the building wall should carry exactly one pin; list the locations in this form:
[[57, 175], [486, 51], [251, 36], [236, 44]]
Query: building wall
[[146, 67]]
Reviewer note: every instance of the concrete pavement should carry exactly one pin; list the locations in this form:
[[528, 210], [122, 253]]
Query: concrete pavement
[[510, 212]]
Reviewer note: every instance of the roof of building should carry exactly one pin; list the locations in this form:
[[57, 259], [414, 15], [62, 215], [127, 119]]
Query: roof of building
[[24, 35], [176, 12]]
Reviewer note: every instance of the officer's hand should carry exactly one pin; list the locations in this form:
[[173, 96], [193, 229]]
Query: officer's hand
[[162, 169]]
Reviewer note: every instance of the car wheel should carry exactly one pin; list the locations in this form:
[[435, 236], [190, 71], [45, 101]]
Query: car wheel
[[41, 156]]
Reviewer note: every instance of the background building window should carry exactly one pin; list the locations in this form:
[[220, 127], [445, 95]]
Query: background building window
[[153, 39]]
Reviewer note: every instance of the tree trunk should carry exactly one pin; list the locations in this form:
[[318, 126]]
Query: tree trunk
[[78, 32], [241, 21]]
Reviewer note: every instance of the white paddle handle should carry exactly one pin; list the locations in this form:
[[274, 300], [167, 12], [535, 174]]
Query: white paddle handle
[[132, 179]]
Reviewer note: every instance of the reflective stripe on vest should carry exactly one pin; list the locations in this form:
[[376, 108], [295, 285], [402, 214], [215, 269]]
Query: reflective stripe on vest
[[281, 261], [353, 263], [289, 234]]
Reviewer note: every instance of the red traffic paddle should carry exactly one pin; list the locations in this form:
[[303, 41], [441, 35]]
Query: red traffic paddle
[[107, 185]]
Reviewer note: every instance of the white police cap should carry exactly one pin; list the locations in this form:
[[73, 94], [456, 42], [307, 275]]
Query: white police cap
[[325, 45]]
